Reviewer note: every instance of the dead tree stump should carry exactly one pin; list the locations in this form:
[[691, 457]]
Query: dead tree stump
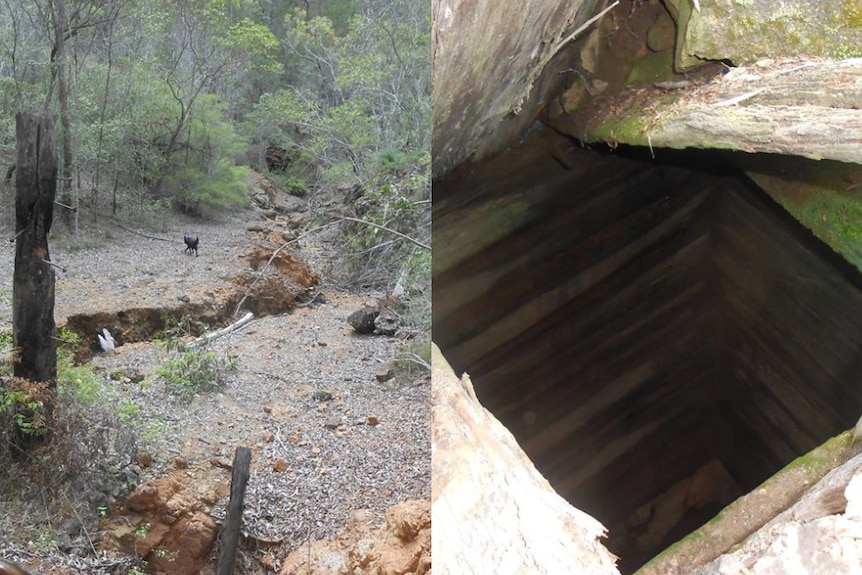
[[229, 537], [33, 282]]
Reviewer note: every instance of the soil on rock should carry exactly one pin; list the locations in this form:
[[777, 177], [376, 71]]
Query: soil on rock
[[328, 439]]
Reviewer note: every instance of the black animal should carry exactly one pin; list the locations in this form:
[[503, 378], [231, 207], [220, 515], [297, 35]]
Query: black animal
[[191, 244]]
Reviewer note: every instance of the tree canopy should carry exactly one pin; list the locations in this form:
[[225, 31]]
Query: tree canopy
[[171, 101], [166, 105]]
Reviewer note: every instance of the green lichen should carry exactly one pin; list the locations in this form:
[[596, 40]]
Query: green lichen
[[824, 196], [625, 129], [823, 457], [815, 464], [653, 67], [837, 220], [631, 128], [687, 541]]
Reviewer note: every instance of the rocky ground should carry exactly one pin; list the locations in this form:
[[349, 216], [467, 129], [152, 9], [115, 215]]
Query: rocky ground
[[331, 443]]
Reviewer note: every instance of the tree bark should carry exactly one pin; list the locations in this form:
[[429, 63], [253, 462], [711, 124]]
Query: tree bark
[[33, 282]]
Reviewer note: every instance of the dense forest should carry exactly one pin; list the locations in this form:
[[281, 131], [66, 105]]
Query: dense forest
[[165, 106]]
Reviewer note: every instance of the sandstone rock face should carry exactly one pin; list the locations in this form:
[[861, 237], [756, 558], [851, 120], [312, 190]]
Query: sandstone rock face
[[401, 547], [493, 512], [487, 56], [168, 526], [745, 31]]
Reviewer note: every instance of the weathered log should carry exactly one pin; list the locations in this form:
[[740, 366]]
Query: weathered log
[[806, 489], [229, 536], [33, 283], [492, 511], [803, 107]]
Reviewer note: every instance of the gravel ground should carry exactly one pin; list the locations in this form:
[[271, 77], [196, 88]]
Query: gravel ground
[[304, 389]]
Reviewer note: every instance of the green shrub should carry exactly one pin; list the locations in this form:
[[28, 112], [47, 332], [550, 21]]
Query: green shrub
[[128, 412], [205, 194], [291, 184], [192, 371], [7, 351], [25, 411], [81, 382]]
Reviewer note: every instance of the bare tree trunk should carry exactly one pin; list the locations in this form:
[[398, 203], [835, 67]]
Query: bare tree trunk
[[33, 282], [114, 192], [94, 199], [59, 62]]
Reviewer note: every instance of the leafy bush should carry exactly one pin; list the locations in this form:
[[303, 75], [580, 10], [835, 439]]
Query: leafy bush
[[391, 162], [194, 371], [26, 411]]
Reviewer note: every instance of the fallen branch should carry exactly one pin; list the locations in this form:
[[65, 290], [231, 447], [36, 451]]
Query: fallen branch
[[131, 231], [738, 99], [562, 43], [309, 302], [385, 229], [50, 263], [418, 361], [62, 205], [207, 338]]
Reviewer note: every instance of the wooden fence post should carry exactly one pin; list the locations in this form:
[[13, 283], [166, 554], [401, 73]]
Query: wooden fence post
[[229, 536]]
